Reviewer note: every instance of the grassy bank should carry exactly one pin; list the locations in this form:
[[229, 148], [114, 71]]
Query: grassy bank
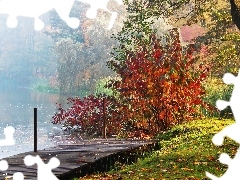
[[45, 88], [187, 152]]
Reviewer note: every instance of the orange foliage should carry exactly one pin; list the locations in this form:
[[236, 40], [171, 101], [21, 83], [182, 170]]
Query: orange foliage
[[160, 86]]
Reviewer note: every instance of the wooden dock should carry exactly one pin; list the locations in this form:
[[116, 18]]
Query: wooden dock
[[83, 158]]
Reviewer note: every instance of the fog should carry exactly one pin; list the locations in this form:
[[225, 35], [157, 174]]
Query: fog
[[42, 68]]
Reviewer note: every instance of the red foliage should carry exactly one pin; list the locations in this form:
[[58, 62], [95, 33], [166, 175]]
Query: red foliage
[[158, 89], [87, 115], [160, 86], [204, 51]]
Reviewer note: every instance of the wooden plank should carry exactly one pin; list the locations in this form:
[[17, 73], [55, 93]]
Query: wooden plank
[[75, 157]]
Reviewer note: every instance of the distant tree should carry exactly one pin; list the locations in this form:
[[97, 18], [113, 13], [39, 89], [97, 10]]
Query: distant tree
[[26, 55], [221, 36], [57, 28], [88, 56], [68, 65]]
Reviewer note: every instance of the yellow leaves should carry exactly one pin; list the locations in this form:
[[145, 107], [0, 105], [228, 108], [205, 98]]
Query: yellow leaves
[[150, 85], [143, 169], [187, 169], [197, 163], [130, 172]]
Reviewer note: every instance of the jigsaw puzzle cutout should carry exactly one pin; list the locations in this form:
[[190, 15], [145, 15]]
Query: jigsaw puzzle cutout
[[9, 140], [36, 8], [44, 171], [3, 165], [16, 176], [232, 172], [232, 131], [100, 4]]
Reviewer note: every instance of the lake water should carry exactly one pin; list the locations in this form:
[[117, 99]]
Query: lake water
[[16, 109]]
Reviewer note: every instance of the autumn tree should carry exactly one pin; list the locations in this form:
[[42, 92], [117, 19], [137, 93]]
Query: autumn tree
[[218, 46], [220, 37], [159, 84]]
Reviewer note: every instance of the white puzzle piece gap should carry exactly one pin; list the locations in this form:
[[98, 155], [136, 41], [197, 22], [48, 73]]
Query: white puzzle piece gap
[[36, 8], [3, 165], [16, 176], [232, 131], [9, 140], [232, 172], [44, 171]]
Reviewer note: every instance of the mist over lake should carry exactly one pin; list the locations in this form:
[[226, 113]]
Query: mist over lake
[[16, 109]]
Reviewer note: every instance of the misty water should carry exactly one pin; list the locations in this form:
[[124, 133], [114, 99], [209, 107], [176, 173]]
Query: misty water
[[55, 57], [17, 110]]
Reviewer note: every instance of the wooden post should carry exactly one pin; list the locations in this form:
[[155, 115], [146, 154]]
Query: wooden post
[[104, 119], [35, 130]]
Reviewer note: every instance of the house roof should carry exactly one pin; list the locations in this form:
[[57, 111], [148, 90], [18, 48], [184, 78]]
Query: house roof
[[189, 33]]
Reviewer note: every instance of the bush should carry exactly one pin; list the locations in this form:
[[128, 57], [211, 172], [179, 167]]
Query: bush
[[86, 115], [159, 84]]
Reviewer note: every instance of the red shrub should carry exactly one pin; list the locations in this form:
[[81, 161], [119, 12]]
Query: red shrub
[[160, 86], [87, 115]]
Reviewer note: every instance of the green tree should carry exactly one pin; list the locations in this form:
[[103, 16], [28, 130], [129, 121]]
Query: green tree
[[221, 37], [82, 53], [68, 66], [26, 55]]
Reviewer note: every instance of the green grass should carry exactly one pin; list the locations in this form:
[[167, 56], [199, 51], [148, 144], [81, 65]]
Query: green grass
[[187, 152], [45, 88]]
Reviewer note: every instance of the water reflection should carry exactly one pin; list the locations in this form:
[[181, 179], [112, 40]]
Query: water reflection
[[16, 109]]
